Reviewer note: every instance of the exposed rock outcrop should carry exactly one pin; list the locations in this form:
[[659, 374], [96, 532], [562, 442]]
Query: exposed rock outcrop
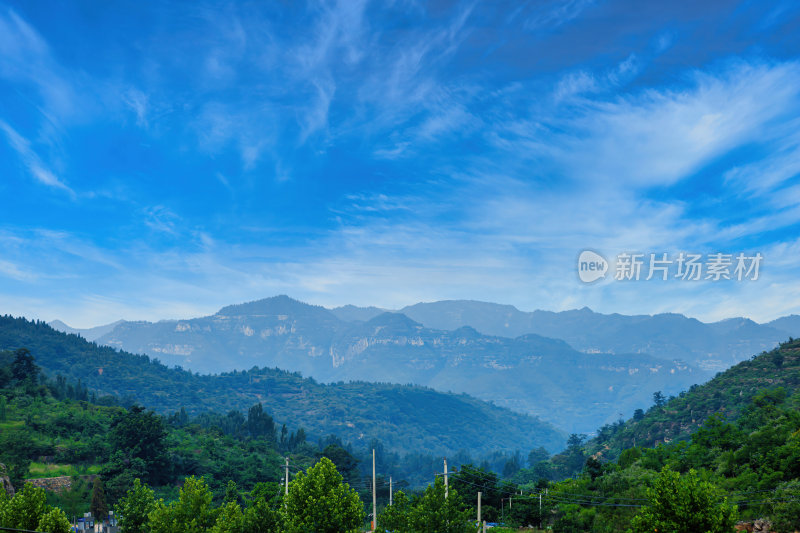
[[5, 481]]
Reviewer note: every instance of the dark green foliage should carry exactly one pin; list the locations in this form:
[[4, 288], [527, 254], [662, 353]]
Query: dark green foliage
[[15, 449], [785, 506], [659, 399], [512, 466], [345, 462], [470, 480], [260, 424], [138, 438], [74, 500], [98, 507], [537, 455], [141, 434], [23, 368]]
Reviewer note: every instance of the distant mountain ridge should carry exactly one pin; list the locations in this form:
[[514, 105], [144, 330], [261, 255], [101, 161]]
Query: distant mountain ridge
[[90, 334], [709, 346], [530, 374]]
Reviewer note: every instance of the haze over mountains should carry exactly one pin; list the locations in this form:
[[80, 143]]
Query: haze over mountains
[[494, 352]]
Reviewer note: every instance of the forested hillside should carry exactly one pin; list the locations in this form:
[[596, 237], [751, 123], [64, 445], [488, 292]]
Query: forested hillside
[[747, 469], [403, 418], [726, 395]]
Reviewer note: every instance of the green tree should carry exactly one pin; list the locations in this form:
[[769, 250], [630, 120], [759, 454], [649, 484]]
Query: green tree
[[120, 474], [74, 498], [537, 456], [437, 512], [397, 517], [260, 424], [659, 399], [98, 507], [23, 368], [683, 504], [319, 501], [263, 514], [192, 512], [4, 499], [142, 435], [345, 462], [54, 521], [135, 507], [786, 507], [230, 519], [231, 492], [15, 454], [26, 508]]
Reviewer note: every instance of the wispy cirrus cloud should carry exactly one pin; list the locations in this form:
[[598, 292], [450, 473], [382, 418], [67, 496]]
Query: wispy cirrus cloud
[[552, 14], [31, 160]]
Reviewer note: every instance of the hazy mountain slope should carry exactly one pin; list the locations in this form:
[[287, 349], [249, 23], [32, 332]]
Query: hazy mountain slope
[[278, 331], [727, 394], [669, 336], [351, 313], [531, 374], [790, 325], [403, 418], [90, 334]]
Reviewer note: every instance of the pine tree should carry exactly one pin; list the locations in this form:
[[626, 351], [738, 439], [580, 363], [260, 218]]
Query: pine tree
[[98, 506]]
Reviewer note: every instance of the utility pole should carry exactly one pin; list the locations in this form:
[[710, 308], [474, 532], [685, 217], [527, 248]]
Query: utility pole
[[390, 490], [286, 479], [446, 488], [374, 500], [479, 507], [540, 509]]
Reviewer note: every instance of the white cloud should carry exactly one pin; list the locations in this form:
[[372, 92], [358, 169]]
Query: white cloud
[[31, 160], [556, 13], [658, 137]]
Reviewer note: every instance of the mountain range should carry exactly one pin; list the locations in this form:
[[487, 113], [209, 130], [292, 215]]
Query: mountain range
[[403, 418], [494, 352]]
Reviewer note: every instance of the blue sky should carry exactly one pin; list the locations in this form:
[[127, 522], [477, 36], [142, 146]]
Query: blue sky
[[161, 160]]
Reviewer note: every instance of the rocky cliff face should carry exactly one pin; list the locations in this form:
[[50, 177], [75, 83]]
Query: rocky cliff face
[[5, 481]]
